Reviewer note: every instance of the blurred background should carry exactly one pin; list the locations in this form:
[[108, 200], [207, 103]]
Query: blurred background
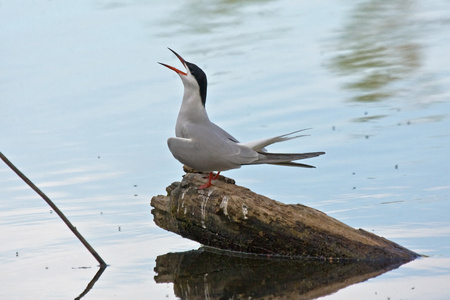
[[85, 112]]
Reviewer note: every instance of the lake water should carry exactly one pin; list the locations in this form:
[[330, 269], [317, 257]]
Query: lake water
[[85, 112]]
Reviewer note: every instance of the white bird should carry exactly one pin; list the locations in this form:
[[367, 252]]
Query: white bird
[[203, 146]]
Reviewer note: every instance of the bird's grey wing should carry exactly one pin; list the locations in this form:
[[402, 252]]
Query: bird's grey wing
[[258, 145], [228, 152], [220, 145], [183, 150], [210, 149], [222, 132], [241, 154]]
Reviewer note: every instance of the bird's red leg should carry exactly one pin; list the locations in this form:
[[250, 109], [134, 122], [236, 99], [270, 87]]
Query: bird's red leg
[[211, 176], [208, 184]]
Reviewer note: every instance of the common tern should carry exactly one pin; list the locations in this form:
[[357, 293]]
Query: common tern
[[203, 146]]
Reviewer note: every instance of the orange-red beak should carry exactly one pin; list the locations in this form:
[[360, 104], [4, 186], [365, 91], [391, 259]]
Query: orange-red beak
[[173, 68]]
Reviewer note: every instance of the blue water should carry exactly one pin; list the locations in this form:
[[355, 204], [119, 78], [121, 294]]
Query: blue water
[[85, 112]]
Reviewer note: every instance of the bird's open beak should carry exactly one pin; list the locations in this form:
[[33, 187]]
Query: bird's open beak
[[175, 69]]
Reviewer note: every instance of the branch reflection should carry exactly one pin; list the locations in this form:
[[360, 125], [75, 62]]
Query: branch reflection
[[92, 282]]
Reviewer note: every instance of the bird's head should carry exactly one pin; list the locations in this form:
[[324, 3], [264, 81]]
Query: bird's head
[[193, 78]]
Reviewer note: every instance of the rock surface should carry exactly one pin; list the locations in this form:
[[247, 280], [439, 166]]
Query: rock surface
[[231, 217]]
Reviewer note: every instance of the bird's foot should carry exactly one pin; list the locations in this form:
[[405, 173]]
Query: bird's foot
[[211, 176], [204, 186]]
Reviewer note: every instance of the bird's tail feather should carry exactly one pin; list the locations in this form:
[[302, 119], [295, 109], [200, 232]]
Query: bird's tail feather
[[285, 159], [259, 145], [292, 164]]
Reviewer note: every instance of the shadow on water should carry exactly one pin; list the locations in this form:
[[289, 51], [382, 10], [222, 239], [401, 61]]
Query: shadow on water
[[379, 49], [214, 274], [212, 20], [221, 14]]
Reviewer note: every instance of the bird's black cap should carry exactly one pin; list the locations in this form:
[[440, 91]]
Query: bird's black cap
[[200, 76]]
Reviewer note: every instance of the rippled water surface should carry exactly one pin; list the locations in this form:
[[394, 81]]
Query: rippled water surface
[[85, 112]]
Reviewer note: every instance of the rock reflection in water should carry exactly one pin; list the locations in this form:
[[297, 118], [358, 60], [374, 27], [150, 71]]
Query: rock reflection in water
[[214, 274]]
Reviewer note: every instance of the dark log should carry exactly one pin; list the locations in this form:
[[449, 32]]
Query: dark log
[[231, 217]]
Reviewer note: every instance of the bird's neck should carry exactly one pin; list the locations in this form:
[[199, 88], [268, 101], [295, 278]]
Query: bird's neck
[[191, 111]]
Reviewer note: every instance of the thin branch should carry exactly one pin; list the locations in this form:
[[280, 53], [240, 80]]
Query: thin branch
[[56, 209]]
